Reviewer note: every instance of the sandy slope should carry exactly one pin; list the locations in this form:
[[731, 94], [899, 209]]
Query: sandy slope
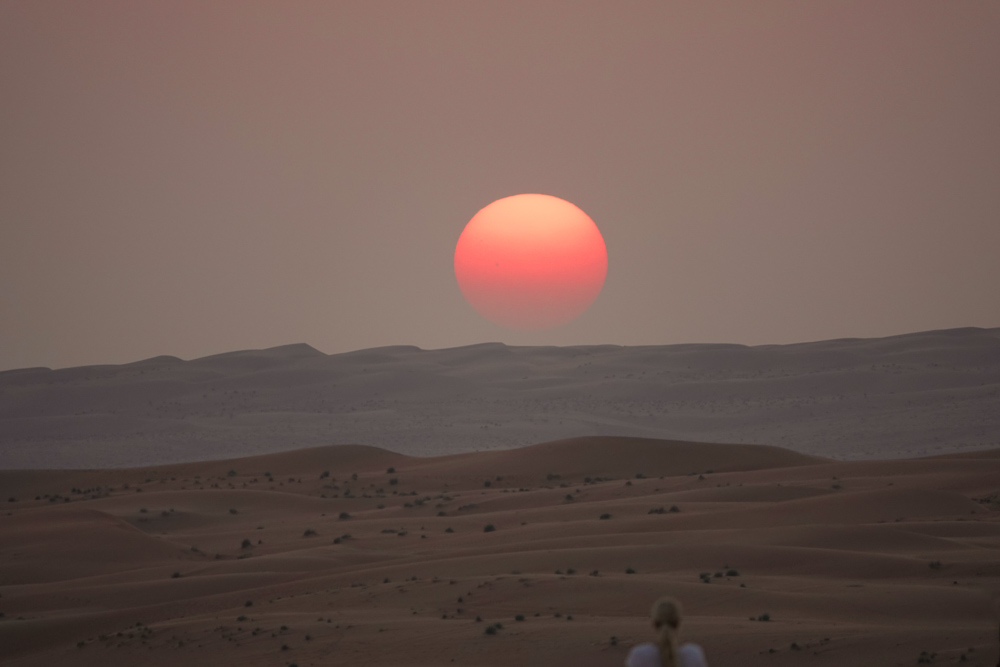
[[904, 396], [839, 554]]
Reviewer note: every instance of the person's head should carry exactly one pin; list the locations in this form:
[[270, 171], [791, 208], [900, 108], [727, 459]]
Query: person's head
[[666, 621]]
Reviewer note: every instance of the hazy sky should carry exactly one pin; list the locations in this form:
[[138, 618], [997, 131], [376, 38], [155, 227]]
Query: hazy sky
[[189, 178]]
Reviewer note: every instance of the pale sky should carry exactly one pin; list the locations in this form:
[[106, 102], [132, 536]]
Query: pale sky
[[189, 178]]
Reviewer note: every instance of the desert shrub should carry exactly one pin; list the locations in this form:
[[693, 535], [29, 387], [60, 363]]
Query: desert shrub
[[248, 603], [935, 565], [519, 617], [732, 573], [231, 473], [241, 618], [605, 516], [490, 630], [449, 529], [657, 510], [551, 476], [487, 483], [233, 510], [394, 481], [613, 641], [489, 528], [309, 532], [175, 575], [344, 516], [324, 474], [246, 544], [629, 570], [764, 617], [674, 509], [390, 470], [570, 570]]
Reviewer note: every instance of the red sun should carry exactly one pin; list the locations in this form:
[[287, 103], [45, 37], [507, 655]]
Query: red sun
[[531, 262]]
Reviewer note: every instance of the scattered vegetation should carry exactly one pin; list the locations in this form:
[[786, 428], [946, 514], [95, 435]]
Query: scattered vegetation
[[309, 532], [605, 516], [489, 528]]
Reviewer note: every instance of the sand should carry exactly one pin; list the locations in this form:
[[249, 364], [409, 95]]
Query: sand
[[854, 563], [899, 397]]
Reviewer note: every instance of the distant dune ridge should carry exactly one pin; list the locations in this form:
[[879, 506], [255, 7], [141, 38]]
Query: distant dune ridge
[[903, 396], [544, 555]]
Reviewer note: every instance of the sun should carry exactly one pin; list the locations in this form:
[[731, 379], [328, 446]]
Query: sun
[[531, 262]]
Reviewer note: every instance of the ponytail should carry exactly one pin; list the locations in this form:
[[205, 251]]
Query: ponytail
[[667, 619]]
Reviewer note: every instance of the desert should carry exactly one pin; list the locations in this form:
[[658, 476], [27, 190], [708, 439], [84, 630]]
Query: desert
[[533, 332], [919, 394], [547, 554]]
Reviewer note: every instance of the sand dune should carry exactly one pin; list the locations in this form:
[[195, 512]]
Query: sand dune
[[252, 561], [899, 397]]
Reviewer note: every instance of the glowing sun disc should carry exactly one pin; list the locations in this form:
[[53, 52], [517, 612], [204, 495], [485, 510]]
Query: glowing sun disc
[[531, 262]]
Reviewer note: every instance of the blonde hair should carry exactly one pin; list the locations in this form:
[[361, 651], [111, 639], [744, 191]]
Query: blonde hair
[[667, 620]]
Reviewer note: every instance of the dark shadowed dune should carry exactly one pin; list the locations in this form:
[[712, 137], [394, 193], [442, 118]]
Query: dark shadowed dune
[[915, 395]]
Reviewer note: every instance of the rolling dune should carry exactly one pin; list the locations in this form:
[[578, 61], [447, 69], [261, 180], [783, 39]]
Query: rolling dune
[[323, 556]]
